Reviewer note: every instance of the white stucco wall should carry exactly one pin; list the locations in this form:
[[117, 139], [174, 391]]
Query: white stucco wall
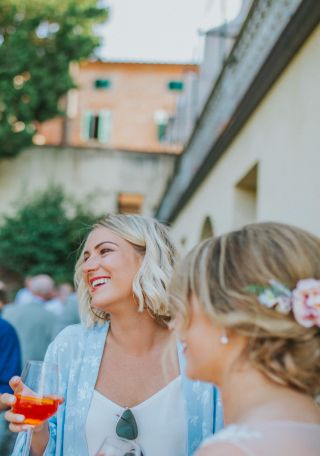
[[93, 176], [283, 137]]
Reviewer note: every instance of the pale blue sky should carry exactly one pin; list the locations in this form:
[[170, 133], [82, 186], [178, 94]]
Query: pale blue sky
[[160, 30]]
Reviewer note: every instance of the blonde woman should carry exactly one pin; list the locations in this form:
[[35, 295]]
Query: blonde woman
[[114, 382], [248, 313]]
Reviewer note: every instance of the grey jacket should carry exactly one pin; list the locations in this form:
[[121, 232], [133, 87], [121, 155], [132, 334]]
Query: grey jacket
[[35, 327]]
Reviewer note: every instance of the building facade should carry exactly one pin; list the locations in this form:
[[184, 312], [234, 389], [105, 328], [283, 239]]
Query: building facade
[[120, 105], [253, 154], [110, 150]]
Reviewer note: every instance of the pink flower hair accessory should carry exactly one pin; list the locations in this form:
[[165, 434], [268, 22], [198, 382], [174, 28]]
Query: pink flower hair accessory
[[303, 301], [306, 302]]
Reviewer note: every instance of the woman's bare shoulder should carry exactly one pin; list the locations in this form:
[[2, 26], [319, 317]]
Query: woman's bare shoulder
[[220, 449]]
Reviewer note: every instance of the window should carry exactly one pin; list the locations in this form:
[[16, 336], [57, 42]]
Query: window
[[162, 132], [246, 191], [176, 85], [129, 203], [72, 103], [161, 118], [207, 229], [97, 126], [102, 84]]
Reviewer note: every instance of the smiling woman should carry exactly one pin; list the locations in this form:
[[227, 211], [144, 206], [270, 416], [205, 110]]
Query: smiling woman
[[108, 267], [116, 381], [127, 239]]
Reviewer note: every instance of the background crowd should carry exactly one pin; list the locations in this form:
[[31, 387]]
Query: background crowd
[[28, 324]]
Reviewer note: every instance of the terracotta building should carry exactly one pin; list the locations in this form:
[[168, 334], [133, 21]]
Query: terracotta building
[[119, 105]]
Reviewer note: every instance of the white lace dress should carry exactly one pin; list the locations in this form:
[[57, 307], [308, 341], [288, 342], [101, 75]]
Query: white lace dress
[[276, 438]]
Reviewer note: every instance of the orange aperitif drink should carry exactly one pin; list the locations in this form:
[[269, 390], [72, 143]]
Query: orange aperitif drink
[[36, 409]]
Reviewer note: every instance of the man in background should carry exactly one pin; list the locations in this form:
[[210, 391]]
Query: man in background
[[33, 323], [70, 314], [24, 295]]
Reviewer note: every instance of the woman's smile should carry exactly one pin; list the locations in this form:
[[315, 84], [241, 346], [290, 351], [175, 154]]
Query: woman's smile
[[98, 281]]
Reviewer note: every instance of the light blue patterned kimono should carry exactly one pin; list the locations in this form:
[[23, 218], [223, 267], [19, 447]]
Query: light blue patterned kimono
[[78, 353]]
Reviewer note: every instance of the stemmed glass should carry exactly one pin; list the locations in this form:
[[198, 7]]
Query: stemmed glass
[[119, 447], [38, 398]]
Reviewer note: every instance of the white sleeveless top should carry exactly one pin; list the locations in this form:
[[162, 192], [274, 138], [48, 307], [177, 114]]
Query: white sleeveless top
[[161, 421], [276, 438]]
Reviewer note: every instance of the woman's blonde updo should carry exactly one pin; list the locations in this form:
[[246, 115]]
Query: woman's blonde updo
[[151, 239], [218, 273]]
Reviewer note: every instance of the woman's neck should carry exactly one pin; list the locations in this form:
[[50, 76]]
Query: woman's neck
[[136, 333], [249, 396]]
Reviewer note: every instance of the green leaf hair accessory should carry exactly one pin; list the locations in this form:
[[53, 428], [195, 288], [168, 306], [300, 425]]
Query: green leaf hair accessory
[[276, 296]]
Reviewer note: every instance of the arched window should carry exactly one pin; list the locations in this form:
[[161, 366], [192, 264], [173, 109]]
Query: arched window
[[207, 229]]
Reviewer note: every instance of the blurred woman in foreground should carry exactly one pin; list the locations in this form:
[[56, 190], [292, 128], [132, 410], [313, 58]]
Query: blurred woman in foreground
[[248, 312]]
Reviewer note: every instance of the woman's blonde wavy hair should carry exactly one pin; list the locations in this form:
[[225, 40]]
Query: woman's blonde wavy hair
[[218, 272], [151, 239]]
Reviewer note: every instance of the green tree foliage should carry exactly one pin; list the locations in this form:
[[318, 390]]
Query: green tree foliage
[[44, 236], [38, 41]]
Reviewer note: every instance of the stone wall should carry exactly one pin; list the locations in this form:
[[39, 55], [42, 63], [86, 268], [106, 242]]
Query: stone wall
[[92, 175]]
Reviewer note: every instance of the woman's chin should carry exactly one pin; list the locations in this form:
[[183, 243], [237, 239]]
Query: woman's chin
[[98, 306]]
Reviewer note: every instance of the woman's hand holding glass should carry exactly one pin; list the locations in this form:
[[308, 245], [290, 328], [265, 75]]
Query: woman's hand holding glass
[[35, 399], [16, 420]]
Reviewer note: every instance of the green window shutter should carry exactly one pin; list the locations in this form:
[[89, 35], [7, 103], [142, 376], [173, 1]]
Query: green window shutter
[[86, 125], [162, 132], [161, 118], [175, 85], [102, 84], [104, 128]]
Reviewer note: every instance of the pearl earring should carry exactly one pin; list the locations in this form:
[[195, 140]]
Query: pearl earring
[[224, 339]]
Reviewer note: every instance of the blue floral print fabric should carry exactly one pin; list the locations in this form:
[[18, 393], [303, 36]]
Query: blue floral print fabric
[[78, 353]]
